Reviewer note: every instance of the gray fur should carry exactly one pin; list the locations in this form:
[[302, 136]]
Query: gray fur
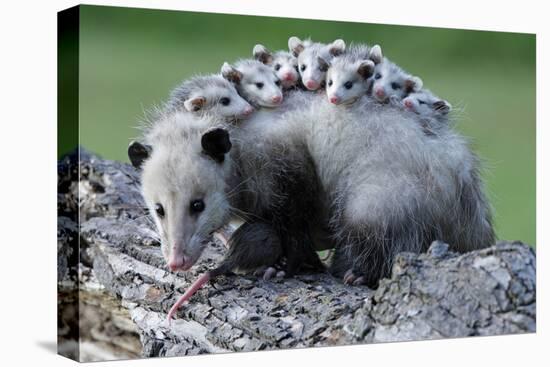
[[246, 74], [392, 82], [390, 188], [210, 88], [309, 55], [366, 175], [283, 63]]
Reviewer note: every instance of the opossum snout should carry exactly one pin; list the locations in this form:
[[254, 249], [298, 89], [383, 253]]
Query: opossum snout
[[277, 99], [312, 84], [334, 100], [289, 77], [380, 92], [408, 104], [248, 110], [178, 261]]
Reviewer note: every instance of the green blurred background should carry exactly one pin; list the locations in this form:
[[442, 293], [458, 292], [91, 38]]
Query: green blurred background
[[131, 58]]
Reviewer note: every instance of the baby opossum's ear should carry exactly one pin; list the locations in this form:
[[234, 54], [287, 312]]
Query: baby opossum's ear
[[295, 45], [215, 143], [323, 64], [138, 153], [366, 69], [413, 84], [262, 54], [194, 104], [337, 47], [442, 107], [231, 74], [375, 54]]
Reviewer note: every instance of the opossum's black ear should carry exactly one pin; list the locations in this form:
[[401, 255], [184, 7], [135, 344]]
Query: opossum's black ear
[[262, 54], [375, 54], [442, 107], [366, 69], [323, 64], [413, 84], [215, 143], [138, 153], [337, 47], [295, 45], [231, 74]]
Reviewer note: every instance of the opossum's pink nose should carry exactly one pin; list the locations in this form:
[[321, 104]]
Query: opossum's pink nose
[[248, 110], [176, 262], [289, 77], [408, 103], [380, 92], [334, 99], [312, 85], [277, 99]]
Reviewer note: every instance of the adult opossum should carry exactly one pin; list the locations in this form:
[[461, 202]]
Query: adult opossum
[[364, 178], [389, 187]]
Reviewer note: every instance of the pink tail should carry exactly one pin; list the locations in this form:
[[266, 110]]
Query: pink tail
[[194, 288]]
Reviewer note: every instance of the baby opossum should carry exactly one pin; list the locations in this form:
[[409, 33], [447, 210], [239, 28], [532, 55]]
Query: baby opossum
[[284, 64], [210, 94], [194, 177], [349, 75], [393, 83], [387, 187], [427, 105], [255, 82], [309, 53]]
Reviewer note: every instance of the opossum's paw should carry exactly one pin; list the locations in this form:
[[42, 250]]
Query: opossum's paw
[[352, 278], [268, 272]]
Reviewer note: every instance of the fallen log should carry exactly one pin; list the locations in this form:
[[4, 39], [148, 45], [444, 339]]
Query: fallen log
[[439, 294]]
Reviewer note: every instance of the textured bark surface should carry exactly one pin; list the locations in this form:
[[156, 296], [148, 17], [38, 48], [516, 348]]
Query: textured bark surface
[[428, 296]]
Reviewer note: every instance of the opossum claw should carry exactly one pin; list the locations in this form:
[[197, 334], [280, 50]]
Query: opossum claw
[[269, 273], [188, 293], [349, 277]]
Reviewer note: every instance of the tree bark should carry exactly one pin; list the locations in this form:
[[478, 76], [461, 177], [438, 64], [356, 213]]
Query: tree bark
[[435, 295]]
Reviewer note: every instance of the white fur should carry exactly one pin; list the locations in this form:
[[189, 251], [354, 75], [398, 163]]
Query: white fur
[[204, 95], [257, 82], [308, 53], [392, 81], [283, 63]]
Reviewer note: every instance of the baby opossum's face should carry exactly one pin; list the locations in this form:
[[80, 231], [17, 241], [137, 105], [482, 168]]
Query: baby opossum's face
[[255, 82], [312, 72], [348, 82], [183, 183], [426, 104], [390, 82], [219, 101], [286, 69], [283, 63]]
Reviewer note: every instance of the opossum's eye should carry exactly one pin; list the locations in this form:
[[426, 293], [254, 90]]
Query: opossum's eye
[[277, 67], [225, 101], [377, 76], [259, 85], [330, 83], [421, 102], [303, 67], [348, 85], [395, 86], [278, 83], [159, 210], [196, 206]]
